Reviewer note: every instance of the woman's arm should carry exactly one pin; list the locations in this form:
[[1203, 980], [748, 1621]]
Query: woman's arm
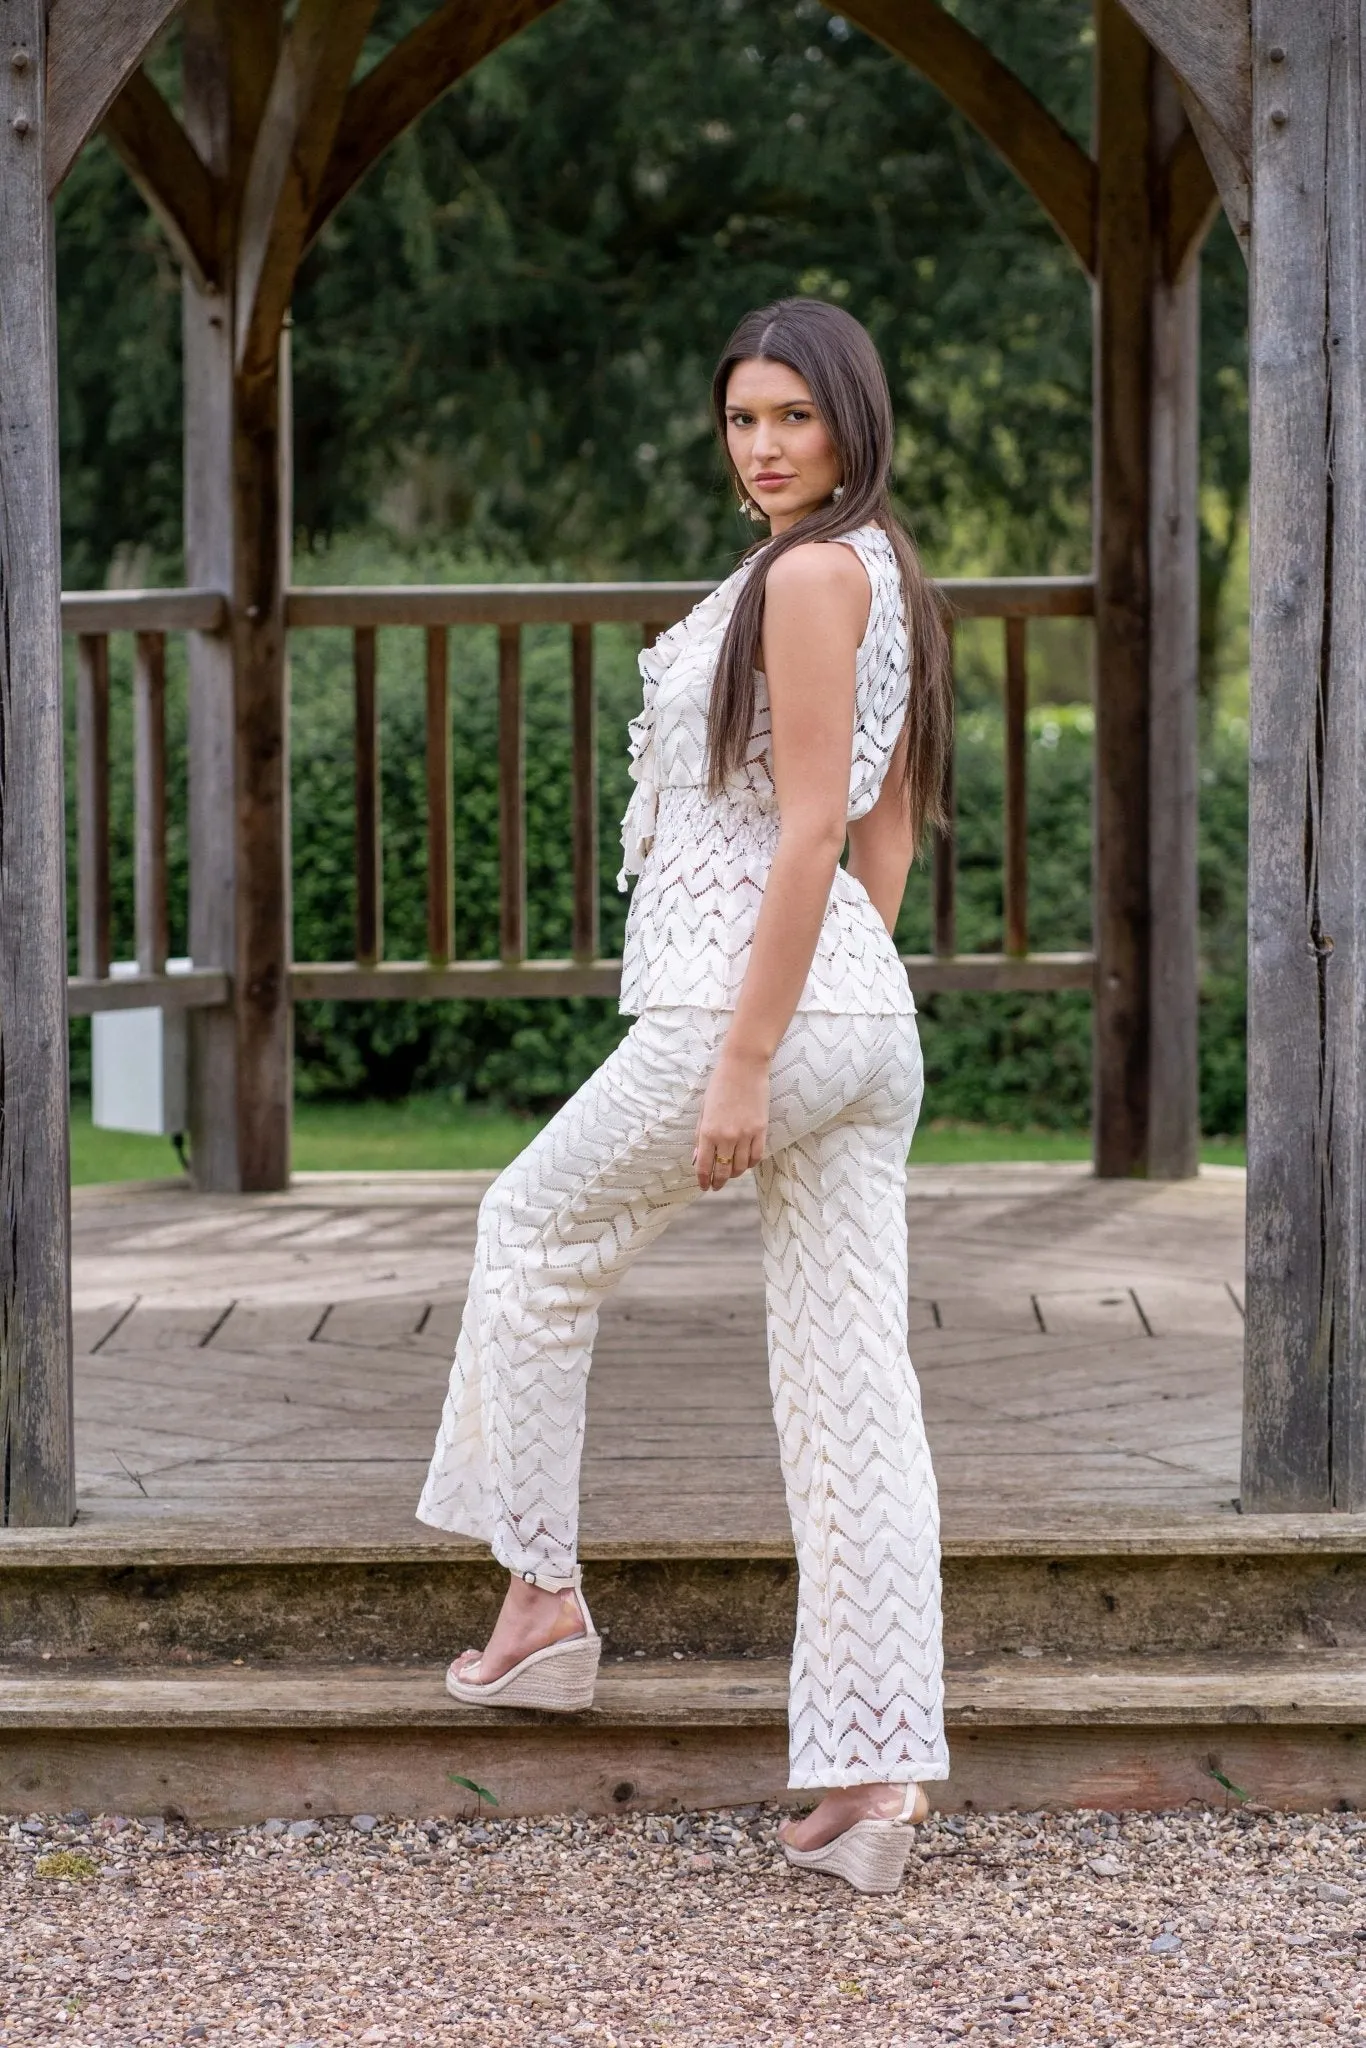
[[816, 604], [881, 843]]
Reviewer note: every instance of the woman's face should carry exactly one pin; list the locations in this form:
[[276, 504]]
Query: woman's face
[[778, 442]]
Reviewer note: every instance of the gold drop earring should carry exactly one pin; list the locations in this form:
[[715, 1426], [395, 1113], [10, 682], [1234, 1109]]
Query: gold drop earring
[[750, 509]]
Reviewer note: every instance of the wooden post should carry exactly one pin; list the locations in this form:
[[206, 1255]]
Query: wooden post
[[36, 1448], [511, 798], [1145, 1114], [1015, 893], [236, 491], [440, 823], [1304, 1431], [93, 892], [149, 783], [369, 847]]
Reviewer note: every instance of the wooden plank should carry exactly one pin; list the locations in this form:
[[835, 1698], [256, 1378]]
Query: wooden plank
[[1000, 106], [1016, 891], [143, 611], [203, 988], [152, 910], [169, 173], [93, 46], [945, 856], [651, 605], [1304, 1441], [313, 981], [93, 893], [369, 849], [511, 799], [440, 824], [1173, 1119], [36, 1448], [584, 790], [1125, 263]]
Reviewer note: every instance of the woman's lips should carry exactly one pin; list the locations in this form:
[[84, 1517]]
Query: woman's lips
[[771, 483]]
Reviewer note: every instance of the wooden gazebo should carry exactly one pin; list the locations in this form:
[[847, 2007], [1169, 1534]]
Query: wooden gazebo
[[1198, 102]]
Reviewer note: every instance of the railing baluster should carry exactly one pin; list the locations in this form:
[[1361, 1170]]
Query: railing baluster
[[584, 770], [946, 854], [1017, 791], [369, 868], [92, 805], [151, 910], [440, 837], [511, 798]]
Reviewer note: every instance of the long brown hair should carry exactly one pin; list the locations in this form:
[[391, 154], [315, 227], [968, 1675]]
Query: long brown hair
[[843, 372]]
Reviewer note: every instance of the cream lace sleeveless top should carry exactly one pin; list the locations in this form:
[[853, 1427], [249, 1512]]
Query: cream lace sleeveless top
[[703, 861]]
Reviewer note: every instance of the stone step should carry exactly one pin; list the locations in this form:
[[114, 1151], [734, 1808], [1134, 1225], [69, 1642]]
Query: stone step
[[236, 1744], [1275, 1585]]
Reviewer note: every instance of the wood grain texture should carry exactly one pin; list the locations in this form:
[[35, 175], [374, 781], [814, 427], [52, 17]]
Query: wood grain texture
[[1208, 45], [169, 173], [1229, 171], [36, 1438], [1122, 385], [93, 47], [584, 783], [369, 850], [203, 988], [1190, 202], [511, 799], [1000, 106], [440, 822], [93, 891], [322, 42], [143, 611], [150, 894], [410, 78], [1305, 1391], [1016, 884]]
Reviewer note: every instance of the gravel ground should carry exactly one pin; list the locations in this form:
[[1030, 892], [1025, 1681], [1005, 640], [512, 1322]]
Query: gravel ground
[[1198, 1926]]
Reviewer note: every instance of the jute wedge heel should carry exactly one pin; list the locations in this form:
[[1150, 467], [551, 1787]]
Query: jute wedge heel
[[872, 1854], [558, 1679]]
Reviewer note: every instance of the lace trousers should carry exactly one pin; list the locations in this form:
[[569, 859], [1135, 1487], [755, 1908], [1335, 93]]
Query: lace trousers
[[558, 1229]]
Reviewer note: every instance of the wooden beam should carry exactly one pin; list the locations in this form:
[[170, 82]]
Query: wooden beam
[[292, 147], [1304, 1442], [1045, 158], [1190, 205], [36, 1441], [1230, 174], [93, 48], [169, 173], [408, 80], [1208, 45]]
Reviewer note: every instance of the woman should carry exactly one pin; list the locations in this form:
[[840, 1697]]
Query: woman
[[806, 700]]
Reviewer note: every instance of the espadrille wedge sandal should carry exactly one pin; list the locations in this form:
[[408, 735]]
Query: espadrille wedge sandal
[[871, 1855], [558, 1679]]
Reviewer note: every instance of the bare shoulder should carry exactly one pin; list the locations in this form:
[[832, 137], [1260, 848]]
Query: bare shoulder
[[823, 575]]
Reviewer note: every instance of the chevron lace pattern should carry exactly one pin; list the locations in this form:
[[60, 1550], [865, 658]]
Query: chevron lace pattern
[[559, 1228]]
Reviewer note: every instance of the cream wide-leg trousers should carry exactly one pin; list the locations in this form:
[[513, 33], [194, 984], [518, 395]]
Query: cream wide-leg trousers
[[556, 1232]]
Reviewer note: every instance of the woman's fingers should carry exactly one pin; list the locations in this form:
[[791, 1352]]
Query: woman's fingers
[[720, 1157]]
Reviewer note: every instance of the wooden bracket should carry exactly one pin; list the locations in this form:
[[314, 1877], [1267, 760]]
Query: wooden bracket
[[412, 77], [1190, 203], [93, 48], [1208, 44], [168, 171], [1054, 166]]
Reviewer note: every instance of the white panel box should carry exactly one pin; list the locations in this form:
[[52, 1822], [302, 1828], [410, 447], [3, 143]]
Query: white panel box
[[139, 1065]]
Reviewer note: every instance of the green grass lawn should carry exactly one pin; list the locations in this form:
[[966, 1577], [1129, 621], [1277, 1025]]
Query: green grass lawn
[[432, 1132]]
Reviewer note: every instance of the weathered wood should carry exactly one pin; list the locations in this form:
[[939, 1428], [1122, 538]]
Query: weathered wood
[[292, 145], [584, 788], [944, 858], [653, 606], [1229, 171], [1208, 45], [1173, 1136], [511, 799], [151, 904], [1304, 1443], [369, 851], [202, 988], [143, 611], [36, 1448], [407, 80], [440, 823], [1190, 204], [167, 170], [93, 47], [1122, 384], [1016, 889], [93, 893], [1019, 127]]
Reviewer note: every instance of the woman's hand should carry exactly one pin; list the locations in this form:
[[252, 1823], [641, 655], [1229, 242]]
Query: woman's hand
[[734, 1121]]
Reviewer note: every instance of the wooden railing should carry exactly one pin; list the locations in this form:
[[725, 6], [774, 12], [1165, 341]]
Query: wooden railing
[[437, 611]]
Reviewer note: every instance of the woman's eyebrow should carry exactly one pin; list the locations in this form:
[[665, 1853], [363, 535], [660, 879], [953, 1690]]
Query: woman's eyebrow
[[783, 405]]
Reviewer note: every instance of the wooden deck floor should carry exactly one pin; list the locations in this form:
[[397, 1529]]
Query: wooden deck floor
[[277, 1363]]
